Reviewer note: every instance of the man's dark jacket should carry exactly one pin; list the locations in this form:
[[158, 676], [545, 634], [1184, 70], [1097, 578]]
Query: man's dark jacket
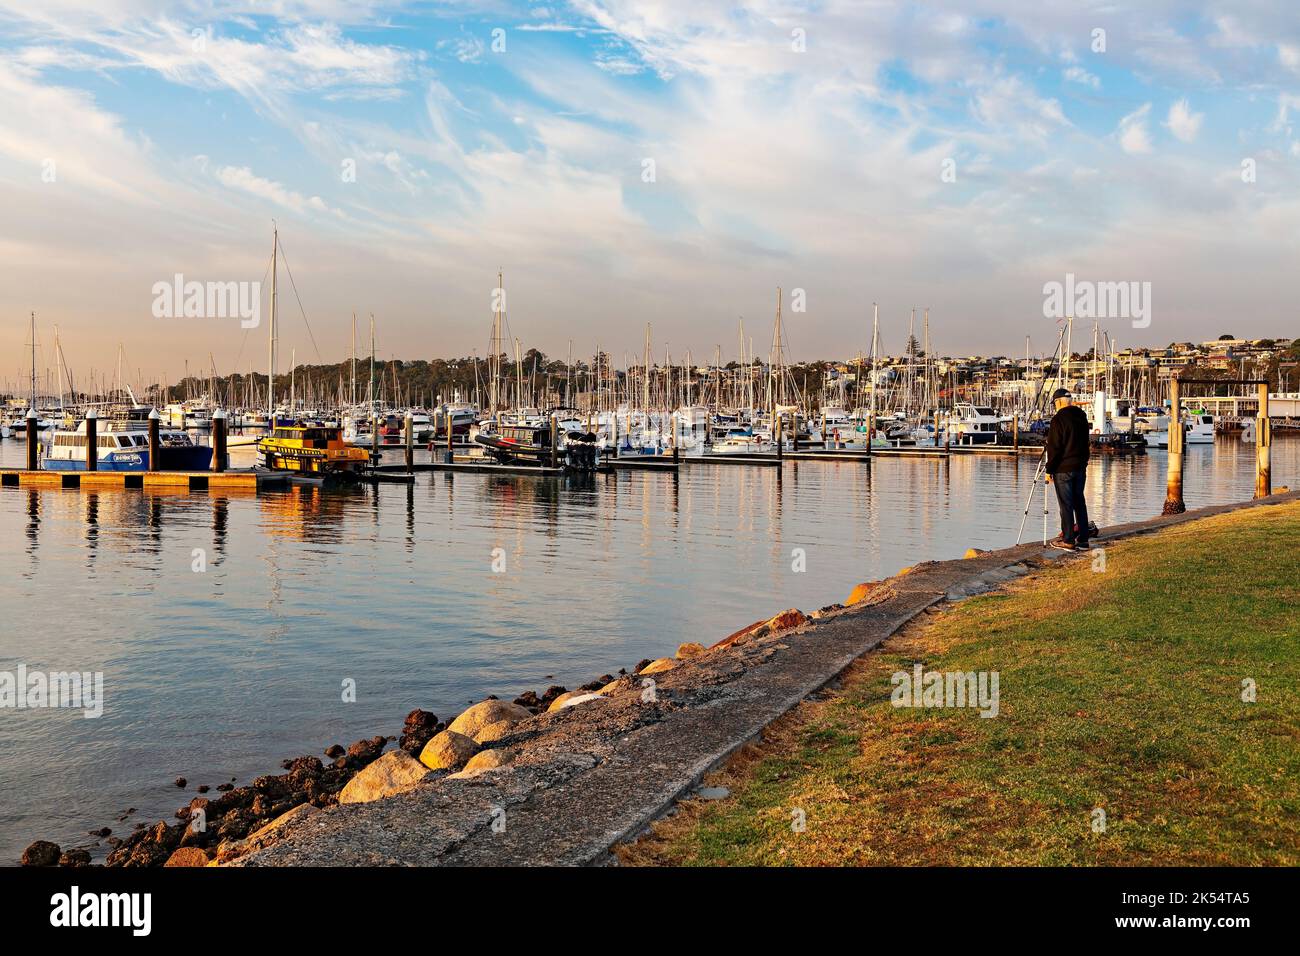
[[1067, 441]]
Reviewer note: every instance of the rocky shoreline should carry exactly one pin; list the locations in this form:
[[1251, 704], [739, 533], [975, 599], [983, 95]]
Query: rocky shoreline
[[241, 819]]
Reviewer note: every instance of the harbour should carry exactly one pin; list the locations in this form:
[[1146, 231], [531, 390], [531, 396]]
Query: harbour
[[222, 673]]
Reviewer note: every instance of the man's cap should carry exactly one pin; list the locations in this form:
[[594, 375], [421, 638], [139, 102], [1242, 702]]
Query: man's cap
[[1060, 393]]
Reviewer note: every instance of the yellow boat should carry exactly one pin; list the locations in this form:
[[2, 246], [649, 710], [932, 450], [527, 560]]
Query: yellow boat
[[316, 450]]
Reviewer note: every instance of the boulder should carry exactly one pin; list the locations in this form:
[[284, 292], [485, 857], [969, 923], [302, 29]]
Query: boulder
[[448, 751], [570, 699], [785, 621], [691, 649], [75, 858], [488, 712], [394, 772], [41, 853], [488, 760], [655, 667], [302, 811], [974, 552], [187, 856], [493, 732], [417, 730], [863, 591]]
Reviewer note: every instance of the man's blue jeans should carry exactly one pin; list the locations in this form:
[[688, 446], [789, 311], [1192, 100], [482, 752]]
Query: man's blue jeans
[[1074, 510]]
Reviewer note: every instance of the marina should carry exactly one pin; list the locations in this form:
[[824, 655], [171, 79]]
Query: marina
[[393, 586]]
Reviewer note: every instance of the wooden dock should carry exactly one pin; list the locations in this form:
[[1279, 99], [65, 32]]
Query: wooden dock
[[240, 480]]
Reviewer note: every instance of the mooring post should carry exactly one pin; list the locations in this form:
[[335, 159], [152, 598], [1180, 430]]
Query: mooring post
[[1263, 447], [936, 428], [155, 442], [92, 440], [446, 420], [33, 456], [219, 440], [1015, 431], [614, 418], [1174, 484], [947, 432], [554, 449], [676, 453], [825, 437], [409, 434], [780, 445], [374, 439]]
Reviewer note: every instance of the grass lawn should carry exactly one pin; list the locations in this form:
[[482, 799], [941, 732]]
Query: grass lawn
[[1120, 690]]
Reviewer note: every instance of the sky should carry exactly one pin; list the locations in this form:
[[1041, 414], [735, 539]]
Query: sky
[[625, 163]]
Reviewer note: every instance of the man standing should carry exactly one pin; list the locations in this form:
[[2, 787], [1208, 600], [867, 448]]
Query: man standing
[[1067, 469]]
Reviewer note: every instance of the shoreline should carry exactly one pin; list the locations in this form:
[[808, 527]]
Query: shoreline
[[532, 749]]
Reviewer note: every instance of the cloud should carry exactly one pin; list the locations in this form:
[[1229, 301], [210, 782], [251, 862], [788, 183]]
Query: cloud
[[242, 178], [1077, 74], [1132, 131], [1182, 122]]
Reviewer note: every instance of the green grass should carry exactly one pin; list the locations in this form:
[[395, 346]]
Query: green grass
[[1119, 690]]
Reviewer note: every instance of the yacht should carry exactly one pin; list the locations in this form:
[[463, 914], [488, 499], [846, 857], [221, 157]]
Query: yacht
[[974, 424]]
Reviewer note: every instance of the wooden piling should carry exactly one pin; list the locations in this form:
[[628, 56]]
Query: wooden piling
[[554, 449], [1174, 476], [219, 441], [780, 445], [155, 441], [1263, 447], [1015, 431], [33, 458], [92, 440], [409, 435]]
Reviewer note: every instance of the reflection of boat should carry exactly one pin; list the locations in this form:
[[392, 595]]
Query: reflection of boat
[[317, 450], [124, 446]]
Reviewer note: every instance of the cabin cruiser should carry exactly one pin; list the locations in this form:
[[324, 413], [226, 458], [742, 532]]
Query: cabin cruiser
[[1198, 429], [974, 424], [123, 444]]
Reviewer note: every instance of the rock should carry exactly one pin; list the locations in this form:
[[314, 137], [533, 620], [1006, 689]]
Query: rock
[[655, 667], [494, 732], [394, 772], [297, 813], [829, 610], [622, 683], [488, 760], [713, 793], [528, 698], [364, 751], [203, 788], [552, 692], [75, 858], [187, 856], [101, 832], [41, 853], [863, 591], [334, 751], [472, 721], [181, 781], [225, 787], [640, 664], [785, 621], [691, 649], [571, 699], [417, 730], [974, 552], [449, 750]]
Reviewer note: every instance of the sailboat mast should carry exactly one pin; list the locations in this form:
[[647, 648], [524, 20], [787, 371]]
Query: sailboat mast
[[270, 378]]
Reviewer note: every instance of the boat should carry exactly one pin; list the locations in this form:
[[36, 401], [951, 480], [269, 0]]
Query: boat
[[1198, 429], [974, 424], [312, 450], [123, 442], [531, 446]]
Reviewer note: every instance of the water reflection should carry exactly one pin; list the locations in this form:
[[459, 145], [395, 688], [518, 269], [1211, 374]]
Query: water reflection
[[395, 586]]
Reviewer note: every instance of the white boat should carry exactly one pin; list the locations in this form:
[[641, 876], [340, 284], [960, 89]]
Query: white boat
[[1198, 429], [974, 424]]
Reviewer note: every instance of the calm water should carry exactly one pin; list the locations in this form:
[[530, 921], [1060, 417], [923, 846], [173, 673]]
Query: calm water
[[222, 673]]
